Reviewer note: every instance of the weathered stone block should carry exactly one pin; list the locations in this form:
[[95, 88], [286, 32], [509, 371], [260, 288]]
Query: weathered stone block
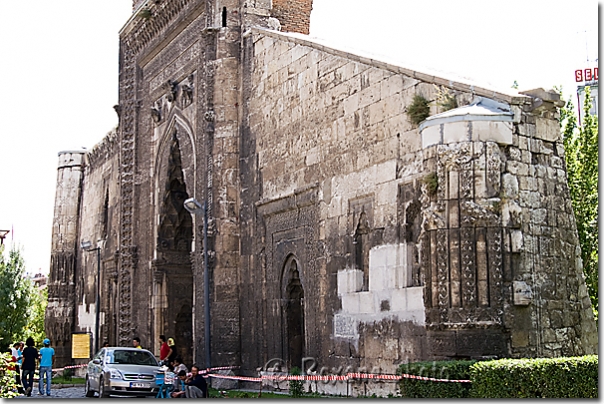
[[498, 132], [382, 278], [480, 184], [510, 185], [398, 301], [431, 135], [520, 338], [523, 295], [366, 303], [547, 129], [415, 298], [517, 241], [349, 281], [456, 132], [351, 303]]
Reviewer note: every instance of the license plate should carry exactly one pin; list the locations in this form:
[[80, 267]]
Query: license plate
[[140, 385]]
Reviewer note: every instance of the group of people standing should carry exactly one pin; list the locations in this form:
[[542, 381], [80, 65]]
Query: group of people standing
[[185, 384], [167, 350], [26, 360]]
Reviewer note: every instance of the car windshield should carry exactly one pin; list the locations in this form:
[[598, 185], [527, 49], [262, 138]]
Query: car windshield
[[131, 358]]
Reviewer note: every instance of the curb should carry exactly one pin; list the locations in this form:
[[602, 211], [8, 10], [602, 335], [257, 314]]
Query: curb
[[65, 386]]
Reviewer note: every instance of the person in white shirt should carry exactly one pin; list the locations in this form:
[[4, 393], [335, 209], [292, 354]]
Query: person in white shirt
[[178, 365]]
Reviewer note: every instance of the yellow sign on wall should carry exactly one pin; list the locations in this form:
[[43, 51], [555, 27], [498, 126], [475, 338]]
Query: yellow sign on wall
[[80, 346]]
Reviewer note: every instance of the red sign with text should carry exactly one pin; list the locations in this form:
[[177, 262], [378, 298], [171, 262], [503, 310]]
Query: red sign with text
[[586, 74]]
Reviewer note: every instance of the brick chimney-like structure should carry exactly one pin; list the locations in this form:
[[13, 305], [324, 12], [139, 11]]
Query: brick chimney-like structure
[[294, 15]]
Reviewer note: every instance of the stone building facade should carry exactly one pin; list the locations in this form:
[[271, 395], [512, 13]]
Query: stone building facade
[[338, 229]]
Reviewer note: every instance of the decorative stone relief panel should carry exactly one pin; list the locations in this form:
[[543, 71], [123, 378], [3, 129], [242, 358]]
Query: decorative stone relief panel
[[462, 258], [129, 106], [290, 229]]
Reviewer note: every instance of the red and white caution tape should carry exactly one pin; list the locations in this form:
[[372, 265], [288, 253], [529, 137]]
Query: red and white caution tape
[[244, 378], [224, 368], [346, 377], [70, 367]]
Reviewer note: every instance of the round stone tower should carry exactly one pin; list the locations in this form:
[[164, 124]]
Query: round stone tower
[[60, 312]]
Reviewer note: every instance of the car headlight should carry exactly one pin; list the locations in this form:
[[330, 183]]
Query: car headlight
[[115, 374]]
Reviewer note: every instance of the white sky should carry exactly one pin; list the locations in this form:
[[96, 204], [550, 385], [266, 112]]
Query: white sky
[[59, 73]]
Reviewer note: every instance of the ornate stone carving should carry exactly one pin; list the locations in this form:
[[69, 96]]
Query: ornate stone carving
[[468, 267], [209, 116], [145, 30], [493, 168], [432, 213], [127, 260], [172, 87], [495, 253], [474, 214], [156, 113], [442, 252]]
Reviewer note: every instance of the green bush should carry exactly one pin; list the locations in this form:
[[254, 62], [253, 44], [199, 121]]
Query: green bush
[[8, 384], [573, 377], [296, 387], [450, 370], [419, 109]]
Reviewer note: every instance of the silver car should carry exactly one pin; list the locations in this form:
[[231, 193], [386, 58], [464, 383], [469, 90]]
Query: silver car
[[122, 371]]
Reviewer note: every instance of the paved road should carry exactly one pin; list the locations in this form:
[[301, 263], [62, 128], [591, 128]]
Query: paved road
[[66, 392]]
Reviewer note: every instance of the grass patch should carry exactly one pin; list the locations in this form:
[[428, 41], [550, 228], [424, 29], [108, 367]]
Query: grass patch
[[68, 380], [214, 393]]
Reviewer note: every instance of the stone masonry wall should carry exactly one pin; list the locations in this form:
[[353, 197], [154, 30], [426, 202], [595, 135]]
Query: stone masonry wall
[[98, 225], [546, 254], [333, 125]]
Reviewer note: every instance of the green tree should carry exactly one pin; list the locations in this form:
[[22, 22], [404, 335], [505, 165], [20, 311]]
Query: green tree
[[15, 297], [581, 155], [35, 314]]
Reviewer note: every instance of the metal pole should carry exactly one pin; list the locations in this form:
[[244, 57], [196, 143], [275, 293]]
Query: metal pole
[[206, 283], [98, 297]]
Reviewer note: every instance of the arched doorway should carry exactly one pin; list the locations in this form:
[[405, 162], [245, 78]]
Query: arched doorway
[[293, 314], [183, 331], [173, 278]]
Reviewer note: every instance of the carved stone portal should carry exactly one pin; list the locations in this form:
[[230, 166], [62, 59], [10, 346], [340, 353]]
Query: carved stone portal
[[173, 280]]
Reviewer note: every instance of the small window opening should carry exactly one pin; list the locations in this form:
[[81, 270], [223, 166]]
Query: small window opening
[[224, 15]]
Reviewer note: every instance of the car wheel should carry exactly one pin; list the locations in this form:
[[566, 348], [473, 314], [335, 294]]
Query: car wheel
[[102, 392], [89, 391]]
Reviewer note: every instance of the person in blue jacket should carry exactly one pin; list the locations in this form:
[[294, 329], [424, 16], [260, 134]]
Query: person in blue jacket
[[47, 358]]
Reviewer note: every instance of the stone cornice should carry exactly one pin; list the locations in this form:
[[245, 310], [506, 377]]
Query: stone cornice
[[104, 149], [151, 19]]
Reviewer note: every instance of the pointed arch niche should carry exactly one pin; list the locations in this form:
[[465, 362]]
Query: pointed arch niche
[[292, 296], [172, 300]]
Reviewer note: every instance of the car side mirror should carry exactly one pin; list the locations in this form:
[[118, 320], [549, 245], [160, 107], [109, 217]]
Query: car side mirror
[[96, 361]]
